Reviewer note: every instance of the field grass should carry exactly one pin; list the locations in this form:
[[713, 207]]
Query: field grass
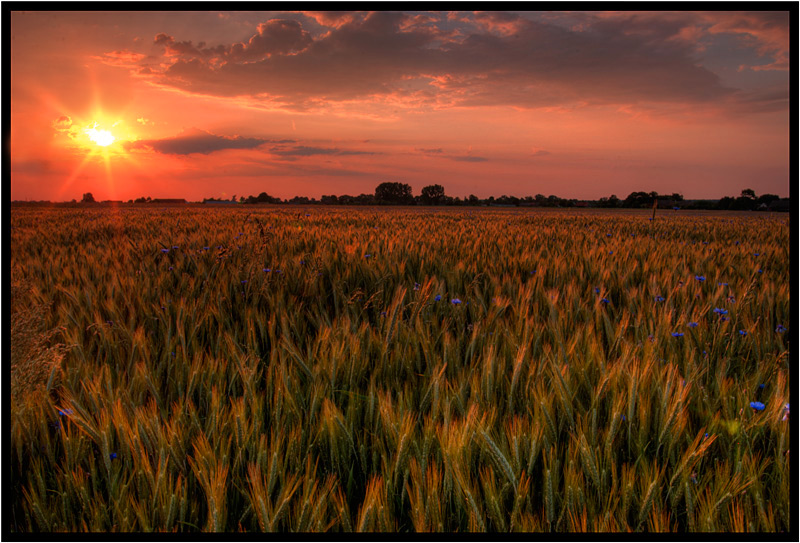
[[309, 369]]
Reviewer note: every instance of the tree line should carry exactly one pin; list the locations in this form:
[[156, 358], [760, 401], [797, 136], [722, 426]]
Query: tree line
[[394, 193]]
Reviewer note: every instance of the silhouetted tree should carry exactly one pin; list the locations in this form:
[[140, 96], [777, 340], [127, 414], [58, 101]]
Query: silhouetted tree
[[87, 198], [749, 193], [393, 193], [432, 195]]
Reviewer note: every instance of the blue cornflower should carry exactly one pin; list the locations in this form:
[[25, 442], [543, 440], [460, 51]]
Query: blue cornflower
[[112, 456], [677, 334], [692, 325], [659, 298], [416, 286], [383, 313], [455, 301], [534, 271], [724, 319], [170, 268], [278, 271], [267, 270], [742, 333], [611, 252], [175, 247], [761, 385], [367, 256], [302, 262], [706, 435], [758, 406], [65, 412], [244, 281], [597, 290], [623, 418], [605, 301], [731, 299], [720, 311], [780, 329], [700, 277], [437, 298], [205, 248], [164, 250], [755, 254], [608, 235], [722, 284], [760, 271]]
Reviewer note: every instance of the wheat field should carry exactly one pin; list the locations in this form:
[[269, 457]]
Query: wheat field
[[398, 370]]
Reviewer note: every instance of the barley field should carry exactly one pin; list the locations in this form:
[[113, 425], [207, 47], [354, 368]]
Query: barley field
[[332, 369]]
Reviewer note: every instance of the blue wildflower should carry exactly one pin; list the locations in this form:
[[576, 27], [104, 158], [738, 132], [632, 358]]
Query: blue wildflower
[[65, 412], [623, 418], [755, 254], [761, 385], [175, 247], [677, 334], [165, 250], [170, 268], [692, 325], [700, 277], [724, 319], [383, 313], [244, 281], [742, 333], [758, 406], [780, 329], [205, 248], [302, 262], [112, 456], [611, 252], [437, 298], [267, 270], [760, 271], [720, 311], [597, 290], [706, 435], [605, 301], [675, 208], [659, 298], [455, 301], [608, 235], [367, 256]]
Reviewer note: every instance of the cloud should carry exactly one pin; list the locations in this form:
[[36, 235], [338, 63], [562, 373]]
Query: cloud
[[436, 151], [467, 158], [302, 150], [480, 59], [540, 152], [197, 141]]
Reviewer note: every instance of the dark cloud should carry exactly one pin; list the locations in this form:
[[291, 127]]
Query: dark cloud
[[470, 60], [467, 158], [198, 141], [540, 152], [437, 150], [302, 150]]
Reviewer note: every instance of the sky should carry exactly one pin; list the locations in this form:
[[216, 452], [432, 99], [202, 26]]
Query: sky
[[574, 104]]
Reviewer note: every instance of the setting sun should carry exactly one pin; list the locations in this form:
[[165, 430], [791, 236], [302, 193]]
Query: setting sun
[[102, 138]]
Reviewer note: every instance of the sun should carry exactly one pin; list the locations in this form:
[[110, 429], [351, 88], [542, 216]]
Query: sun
[[103, 138]]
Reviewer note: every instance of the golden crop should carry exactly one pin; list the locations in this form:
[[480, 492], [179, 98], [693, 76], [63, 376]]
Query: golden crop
[[309, 369]]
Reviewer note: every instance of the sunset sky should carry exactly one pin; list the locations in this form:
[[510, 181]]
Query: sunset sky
[[579, 104]]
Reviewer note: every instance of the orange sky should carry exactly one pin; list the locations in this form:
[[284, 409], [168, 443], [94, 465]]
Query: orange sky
[[579, 104]]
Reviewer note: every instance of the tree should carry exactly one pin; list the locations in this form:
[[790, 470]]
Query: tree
[[87, 198], [432, 195], [393, 193], [749, 193], [474, 200]]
